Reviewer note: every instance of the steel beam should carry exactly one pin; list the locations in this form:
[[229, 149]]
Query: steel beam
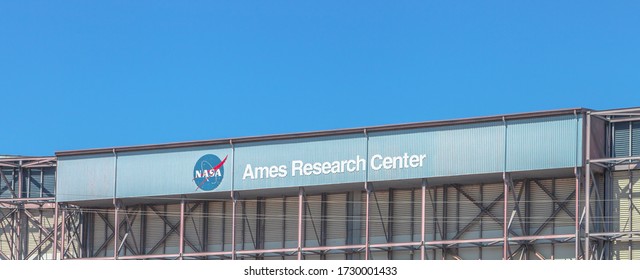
[[423, 219], [300, 207], [587, 227]]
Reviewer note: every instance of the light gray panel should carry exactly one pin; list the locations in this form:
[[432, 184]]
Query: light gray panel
[[88, 177]]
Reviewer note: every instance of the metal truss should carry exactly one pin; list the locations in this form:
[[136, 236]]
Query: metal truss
[[598, 227]]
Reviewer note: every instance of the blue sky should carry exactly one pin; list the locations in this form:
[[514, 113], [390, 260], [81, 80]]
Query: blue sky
[[89, 74]]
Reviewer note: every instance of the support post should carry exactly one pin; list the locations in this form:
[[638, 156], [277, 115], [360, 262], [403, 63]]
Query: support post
[[587, 191], [300, 207], [116, 231], [577, 223], [181, 245], [233, 225], [505, 232], [366, 229], [55, 232], [423, 219], [64, 218]]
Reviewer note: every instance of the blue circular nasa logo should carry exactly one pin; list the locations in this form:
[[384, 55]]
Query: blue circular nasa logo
[[208, 172]]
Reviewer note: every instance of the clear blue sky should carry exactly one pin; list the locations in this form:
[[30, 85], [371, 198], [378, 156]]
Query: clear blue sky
[[89, 74]]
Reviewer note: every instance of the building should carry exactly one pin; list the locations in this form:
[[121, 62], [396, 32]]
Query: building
[[559, 184]]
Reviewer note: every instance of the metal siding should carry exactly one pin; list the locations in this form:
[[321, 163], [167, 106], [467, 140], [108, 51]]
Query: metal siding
[[5, 190], [49, 182], [276, 153], [273, 220], [155, 230], [544, 143], [291, 222], [193, 228], [621, 214], [490, 227], [450, 150], [564, 224], [621, 139], [32, 182], [402, 220], [635, 138], [247, 224], [336, 219], [542, 206], [85, 178], [173, 241], [98, 234], [467, 212], [163, 172], [378, 217], [215, 226], [312, 220]]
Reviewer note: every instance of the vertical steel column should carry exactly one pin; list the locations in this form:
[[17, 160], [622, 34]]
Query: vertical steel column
[[423, 219], [233, 225], [505, 232], [55, 232], [300, 204], [577, 223], [64, 217], [181, 245], [587, 191], [116, 233], [20, 179], [366, 228]]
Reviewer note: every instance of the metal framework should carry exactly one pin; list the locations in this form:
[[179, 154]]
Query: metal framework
[[605, 231], [519, 217]]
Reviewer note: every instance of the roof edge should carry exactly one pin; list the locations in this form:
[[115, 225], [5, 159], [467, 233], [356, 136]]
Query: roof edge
[[325, 132]]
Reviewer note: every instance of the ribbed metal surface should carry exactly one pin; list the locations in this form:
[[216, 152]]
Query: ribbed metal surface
[[165, 172], [291, 222], [635, 138], [49, 182], [621, 139], [273, 219], [193, 230], [335, 219], [215, 226], [544, 143], [85, 178], [5, 189], [313, 221], [449, 150], [248, 157]]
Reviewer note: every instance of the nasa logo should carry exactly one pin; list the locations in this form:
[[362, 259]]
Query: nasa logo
[[208, 172]]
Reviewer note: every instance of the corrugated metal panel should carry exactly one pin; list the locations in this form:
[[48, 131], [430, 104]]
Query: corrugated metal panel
[[33, 182], [5, 190], [417, 215], [469, 253], [85, 178], [491, 228], [542, 206], [466, 211], [46, 252], [336, 219], [335, 257], [246, 227], [155, 229], [193, 228], [449, 150], [635, 138], [379, 217], [216, 228], [110, 218], [49, 182], [378, 256], [173, 241], [544, 143], [492, 253], [564, 224], [33, 234], [312, 220], [565, 251], [621, 203], [433, 213], [291, 222], [308, 150], [621, 250], [159, 172], [274, 222], [98, 235], [228, 225], [6, 228], [402, 219], [621, 139]]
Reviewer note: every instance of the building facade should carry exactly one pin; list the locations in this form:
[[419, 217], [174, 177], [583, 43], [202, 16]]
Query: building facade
[[557, 184]]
